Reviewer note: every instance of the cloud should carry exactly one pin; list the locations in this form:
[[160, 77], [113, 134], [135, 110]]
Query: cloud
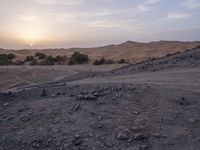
[[60, 2], [192, 4], [101, 13], [178, 15], [143, 8], [123, 25], [153, 1], [28, 17], [147, 6]]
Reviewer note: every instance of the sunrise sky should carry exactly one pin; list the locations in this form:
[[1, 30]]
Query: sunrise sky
[[80, 23]]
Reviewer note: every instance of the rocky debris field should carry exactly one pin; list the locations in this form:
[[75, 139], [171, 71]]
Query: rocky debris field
[[68, 115], [179, 59]]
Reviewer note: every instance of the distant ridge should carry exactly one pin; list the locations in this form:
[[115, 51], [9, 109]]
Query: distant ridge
[[130, 50]]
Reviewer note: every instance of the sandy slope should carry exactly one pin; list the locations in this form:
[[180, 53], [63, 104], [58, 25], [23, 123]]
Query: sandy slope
[[132, 51], [12, 76]]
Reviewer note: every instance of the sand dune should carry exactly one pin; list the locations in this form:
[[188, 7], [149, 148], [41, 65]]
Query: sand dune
[[132, 51]]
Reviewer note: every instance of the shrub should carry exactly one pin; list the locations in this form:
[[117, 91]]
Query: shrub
[[61, 59], [109, 61], [6, 59], [19, 62], [99, 62], [122, 61], [33, 62], [50, 60], [103, 61], [11, 56], [40, 55], [29, 58], [78, 58]]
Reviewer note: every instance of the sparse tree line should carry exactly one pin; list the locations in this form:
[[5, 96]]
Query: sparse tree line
[[43, 59]]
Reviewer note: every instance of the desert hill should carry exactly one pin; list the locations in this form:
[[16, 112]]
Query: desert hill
[[133, 51], [188, 58]]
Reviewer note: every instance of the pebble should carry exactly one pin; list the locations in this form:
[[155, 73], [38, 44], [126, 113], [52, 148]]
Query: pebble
[[192, 120], [122, 136], [182, 102], [76, 107], [77, 141], [145, 147], [5, 105], [86, 97], [139, 136], [44, 93]]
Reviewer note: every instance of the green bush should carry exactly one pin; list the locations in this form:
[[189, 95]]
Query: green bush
[[34, 62], [78, 58], [50, 60], [122, 61], [11, 56], [6, 59], [19, 62], [109, 61], [103, 61], [61, 59], [40, 55], [29, 58]]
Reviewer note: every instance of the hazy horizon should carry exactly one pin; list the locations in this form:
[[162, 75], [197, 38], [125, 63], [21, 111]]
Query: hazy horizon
[[89, 23]]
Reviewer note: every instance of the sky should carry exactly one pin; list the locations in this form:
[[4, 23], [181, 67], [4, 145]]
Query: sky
[[88, 23]]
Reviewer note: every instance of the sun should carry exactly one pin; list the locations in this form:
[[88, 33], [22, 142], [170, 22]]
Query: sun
[[31, 45], [30, 35]]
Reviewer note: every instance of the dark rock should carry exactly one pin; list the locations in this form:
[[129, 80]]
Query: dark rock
[[58, 94], [100, 117], [9, 94], [122, 136], [76, 107], [66, 145], [10, 118], [145, 147], [36, 144], [192, 120], [137, 128], [139, 136], [5, 105], [44, 93], [136, 112], [89, 97], [77, 141], [98, 126], [158, 136], [109, 145], [182, 102]]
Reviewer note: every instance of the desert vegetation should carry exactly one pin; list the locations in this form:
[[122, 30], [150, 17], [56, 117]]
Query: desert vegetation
[[78, 58], [122, 61], [103, 61], [6, 59], [39, 58]]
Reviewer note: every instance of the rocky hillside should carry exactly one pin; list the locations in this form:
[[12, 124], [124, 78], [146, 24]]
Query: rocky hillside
[[187, 58]]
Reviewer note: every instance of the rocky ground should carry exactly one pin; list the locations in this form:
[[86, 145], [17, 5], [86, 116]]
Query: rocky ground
[[153, 105]]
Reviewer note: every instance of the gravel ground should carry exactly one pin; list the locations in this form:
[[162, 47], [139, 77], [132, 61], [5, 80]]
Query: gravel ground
[[132, 108]]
